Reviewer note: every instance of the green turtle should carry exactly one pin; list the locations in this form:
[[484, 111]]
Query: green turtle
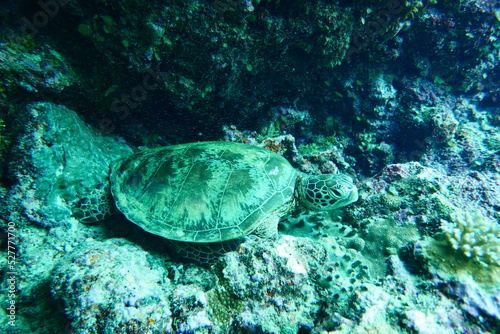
[[198, 194]]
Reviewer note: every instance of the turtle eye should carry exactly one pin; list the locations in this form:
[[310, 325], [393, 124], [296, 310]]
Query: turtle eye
[[337, 193]]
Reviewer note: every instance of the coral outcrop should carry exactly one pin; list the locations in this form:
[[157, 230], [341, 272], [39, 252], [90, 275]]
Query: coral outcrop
[[474, 236]]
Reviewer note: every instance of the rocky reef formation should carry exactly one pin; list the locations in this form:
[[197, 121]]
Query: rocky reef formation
[[401, 95]]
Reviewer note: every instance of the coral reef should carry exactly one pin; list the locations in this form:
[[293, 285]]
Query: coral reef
[[474, 236], [401, 95], [275, 286], [274, 276]]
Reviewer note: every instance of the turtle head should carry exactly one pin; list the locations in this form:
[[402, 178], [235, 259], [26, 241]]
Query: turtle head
[[327, 191]]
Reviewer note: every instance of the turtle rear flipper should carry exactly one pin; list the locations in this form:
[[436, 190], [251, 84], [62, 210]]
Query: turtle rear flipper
[[97, 206]]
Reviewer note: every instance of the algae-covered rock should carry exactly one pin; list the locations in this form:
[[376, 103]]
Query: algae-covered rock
[[272, 286], [412, 193], [273, 280], [213, 61], [279, 286], [28, 69], [476, 301], [56, 160], [114, 287]]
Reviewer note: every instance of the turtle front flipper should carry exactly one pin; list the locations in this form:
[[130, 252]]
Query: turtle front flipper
[[205, 254], [97, 206]]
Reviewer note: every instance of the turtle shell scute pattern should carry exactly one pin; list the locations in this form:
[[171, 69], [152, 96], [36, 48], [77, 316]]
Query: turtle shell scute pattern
[[202, 192]]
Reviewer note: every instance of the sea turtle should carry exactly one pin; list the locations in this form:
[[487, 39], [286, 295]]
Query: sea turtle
[[213, 192]]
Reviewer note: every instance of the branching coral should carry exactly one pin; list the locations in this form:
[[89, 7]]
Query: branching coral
[[475, 236]]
